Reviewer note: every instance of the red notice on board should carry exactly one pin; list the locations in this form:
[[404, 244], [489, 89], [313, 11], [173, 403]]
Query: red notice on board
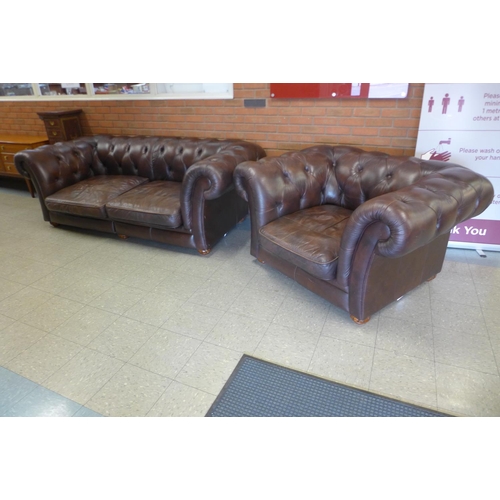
[[339, 90]]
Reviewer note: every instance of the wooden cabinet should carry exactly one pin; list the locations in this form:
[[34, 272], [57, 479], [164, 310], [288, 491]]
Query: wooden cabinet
[[9, 146], [62, 125]]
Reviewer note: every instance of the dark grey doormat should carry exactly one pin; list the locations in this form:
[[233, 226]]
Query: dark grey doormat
[[257, 388]]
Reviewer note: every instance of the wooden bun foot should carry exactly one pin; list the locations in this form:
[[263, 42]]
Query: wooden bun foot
[[431, 278], [360, 321], [122, 236], [204, 252]]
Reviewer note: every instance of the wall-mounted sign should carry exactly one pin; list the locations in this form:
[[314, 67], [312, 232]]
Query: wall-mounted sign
[[339, 90], [460, 123]]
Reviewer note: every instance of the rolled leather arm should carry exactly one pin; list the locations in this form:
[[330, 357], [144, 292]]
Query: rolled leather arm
[[417, 214], [216, 173], [54, 167]]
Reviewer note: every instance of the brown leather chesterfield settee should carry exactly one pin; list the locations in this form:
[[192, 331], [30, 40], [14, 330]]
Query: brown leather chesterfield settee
[[168, 189], [358, 228]]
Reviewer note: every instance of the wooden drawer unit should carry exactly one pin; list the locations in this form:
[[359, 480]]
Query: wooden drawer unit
[[9, 146], [62, 125]]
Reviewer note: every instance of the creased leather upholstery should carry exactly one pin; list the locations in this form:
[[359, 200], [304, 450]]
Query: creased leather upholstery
[[81, 178], [400, 206], [309, 238], [153, 204], [89, 197]]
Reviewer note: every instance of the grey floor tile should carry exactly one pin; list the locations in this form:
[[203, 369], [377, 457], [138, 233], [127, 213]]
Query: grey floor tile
[[165, 353], [131, 392], [492, 320], [239, 333], [16, 338], [405, 338], [111, 268], [30, 272], [215, 294], [235, 272], [42, 402], [488, 296], [178, 285], [86, 412], [270, 280], [339, 325], [13, 388], [450, 287], [415, 306], [485, 274], [11, 261], [287, 346], [84, 375], [467, 392], [464, 318], [123, 338], [193, 320], [146, 277], [456, 267], [48, 251], [343, 362], [154, 309], [23, 302], [43, 358], [302, 314], [8, 288], [495, 345], [5, 321], [52, 313], [209, 368], [58, 280], [473, 352], [202, 267], [180, 400], [169, 259], [85, 325], [263, 305], [404, 377], [86, 289], [118, 299]]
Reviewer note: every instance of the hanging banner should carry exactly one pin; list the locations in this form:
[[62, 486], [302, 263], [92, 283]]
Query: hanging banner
[[460, 123]]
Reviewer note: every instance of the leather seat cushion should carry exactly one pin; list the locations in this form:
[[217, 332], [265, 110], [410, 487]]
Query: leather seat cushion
[[88, 197], [156, 204], [309, 238]]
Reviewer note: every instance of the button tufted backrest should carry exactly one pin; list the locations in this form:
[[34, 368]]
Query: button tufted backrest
[[363, 176], [172, 156], [340, 175], [156, 158], [349, 177]]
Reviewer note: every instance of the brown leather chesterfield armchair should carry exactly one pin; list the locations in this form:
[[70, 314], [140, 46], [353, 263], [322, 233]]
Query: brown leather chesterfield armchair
[[168, 189], [358, 228]]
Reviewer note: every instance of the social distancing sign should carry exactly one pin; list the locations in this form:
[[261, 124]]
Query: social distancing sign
[[460, 123]]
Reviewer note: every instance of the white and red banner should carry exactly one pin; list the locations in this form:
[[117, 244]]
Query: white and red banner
[[460, 123]]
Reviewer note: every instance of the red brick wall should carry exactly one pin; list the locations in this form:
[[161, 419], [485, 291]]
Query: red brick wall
[[388, 125]]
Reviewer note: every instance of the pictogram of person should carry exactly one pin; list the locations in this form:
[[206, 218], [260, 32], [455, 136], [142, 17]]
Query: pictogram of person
[[445, 102], [461, 103], [430, 103]]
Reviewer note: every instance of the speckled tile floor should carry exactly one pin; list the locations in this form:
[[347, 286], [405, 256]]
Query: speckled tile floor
[[91, 325]]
